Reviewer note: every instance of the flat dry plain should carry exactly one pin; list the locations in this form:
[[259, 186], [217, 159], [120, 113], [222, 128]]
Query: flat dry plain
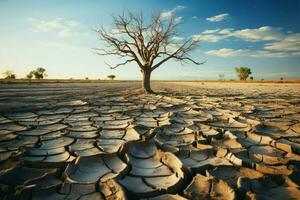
[[190, 141]]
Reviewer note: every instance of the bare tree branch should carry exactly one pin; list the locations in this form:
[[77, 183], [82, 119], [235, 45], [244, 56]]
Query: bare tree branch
[[120, 64], [146, 44]]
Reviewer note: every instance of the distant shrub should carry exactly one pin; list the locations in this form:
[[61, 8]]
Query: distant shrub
[[251, 78], [111, 76], [9, 74], [243, 72], [38, 73], [30, 75]]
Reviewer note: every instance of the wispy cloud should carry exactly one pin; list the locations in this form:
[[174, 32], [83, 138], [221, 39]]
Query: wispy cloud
[[170, 13], [61, 26], [289, 43], [276, 39], [264, 33], [218, 18], [177, 38], [195, 18], [226, 31], [209, 37], [226, 52], [178, 19], [211, 31]]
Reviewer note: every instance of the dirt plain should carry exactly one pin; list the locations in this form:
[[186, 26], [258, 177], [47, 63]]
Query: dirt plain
[[204, 140]]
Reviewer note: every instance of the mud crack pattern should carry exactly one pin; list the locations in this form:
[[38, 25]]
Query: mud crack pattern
[[112, 142]]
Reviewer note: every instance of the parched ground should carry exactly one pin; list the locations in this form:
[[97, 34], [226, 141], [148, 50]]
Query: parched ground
[[190, 141]]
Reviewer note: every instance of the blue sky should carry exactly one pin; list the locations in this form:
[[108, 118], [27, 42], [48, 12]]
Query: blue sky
[[57, 35]]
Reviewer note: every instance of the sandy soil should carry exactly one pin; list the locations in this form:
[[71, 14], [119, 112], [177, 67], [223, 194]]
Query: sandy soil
[[189, 141], [246, 88]]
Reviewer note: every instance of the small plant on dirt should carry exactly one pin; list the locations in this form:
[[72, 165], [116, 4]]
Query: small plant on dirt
[[111, 77], [243, 72]]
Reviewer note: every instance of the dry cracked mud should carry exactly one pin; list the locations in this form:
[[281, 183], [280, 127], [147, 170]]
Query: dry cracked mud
[[110, 141]]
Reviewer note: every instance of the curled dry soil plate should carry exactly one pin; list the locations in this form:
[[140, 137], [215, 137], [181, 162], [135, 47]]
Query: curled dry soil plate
[[124, 145]]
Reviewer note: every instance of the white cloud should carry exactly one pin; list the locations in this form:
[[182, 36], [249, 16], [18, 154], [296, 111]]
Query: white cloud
[[178, 19], [280, 41], [218, 18], [179, 7], [283, 44], [45, 26], [177, 38], [226, 52], [195, 18], [271, 54], [209, 37], [166, 14], [170, 13], [63, 27], [213, 35], [226, 31], [289, 43], [209, 31], [264, 33]]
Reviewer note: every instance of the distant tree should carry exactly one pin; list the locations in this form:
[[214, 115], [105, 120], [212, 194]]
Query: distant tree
[[9, 74], [281, 78], [39, 73], [30, 75], [243, 72], [111, 77], [86, 78], [262, 79], [251, 78], [222, 77]]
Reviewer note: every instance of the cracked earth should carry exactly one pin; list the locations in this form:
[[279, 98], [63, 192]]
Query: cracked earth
[[110, 141]]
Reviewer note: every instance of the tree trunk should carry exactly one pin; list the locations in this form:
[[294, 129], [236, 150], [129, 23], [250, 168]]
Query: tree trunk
[[146, 81]]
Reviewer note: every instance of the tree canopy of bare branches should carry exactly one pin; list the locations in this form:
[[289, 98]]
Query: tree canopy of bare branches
[[148, 44]]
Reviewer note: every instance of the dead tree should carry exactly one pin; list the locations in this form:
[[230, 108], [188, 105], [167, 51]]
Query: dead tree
[[149, 45]]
